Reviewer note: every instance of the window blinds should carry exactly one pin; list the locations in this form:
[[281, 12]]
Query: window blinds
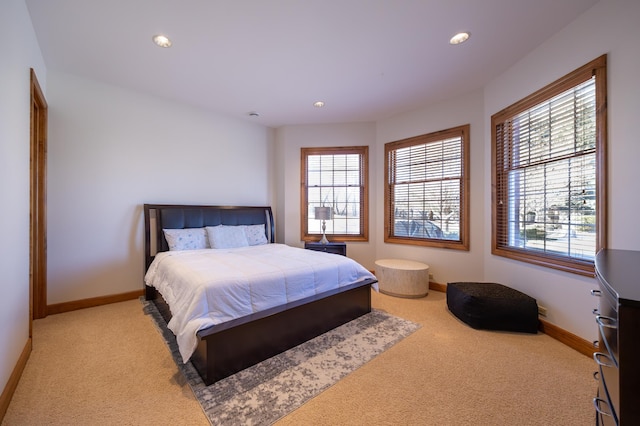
[[425, 186], [546, 175]]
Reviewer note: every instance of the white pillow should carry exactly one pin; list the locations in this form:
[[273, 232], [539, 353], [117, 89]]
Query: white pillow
[[255, 235], [222, 237], [186, 239]]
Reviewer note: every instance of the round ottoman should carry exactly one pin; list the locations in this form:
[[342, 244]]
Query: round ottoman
[[402, 278]]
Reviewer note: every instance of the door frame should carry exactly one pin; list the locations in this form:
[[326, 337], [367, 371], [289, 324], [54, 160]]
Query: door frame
[[38, 204]]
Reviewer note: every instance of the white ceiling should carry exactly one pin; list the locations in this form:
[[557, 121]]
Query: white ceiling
[[366, 59]]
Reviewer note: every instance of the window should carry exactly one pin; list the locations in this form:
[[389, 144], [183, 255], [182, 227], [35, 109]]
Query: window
[[427, 190], [336, 178], [549, 173]]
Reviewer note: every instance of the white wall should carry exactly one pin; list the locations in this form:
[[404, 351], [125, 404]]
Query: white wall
[[444, 264], [110, 151], [19, 51], [611, 26], [289, 141]]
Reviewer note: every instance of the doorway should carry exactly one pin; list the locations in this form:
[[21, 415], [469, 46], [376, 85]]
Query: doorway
[[38, 205]]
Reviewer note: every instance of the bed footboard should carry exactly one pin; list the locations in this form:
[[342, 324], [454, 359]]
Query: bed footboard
[[228, 348]]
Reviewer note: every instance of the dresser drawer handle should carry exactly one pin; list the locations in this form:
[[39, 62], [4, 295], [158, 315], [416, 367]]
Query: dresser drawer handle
[[614, 361], [598, 401], [598, 355], [606, 321], [596, 293]]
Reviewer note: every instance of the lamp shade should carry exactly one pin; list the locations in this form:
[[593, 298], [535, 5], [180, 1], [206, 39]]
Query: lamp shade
[[323, 213]]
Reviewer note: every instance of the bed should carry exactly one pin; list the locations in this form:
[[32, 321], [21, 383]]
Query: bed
[[236, 342]]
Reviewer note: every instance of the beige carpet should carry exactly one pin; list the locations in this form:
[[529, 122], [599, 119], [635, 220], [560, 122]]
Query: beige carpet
[[108, 365]]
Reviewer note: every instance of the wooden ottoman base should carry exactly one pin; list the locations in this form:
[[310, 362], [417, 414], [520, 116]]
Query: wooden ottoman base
[[492, 306]]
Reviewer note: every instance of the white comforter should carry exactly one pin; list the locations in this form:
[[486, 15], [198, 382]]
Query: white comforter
[[211, 286]]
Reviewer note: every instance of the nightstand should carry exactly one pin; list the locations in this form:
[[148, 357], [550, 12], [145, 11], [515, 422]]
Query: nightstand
[[336, 248]]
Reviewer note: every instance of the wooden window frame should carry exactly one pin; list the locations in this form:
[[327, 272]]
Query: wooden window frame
[[363, 152], [389, 207], [499, 240]]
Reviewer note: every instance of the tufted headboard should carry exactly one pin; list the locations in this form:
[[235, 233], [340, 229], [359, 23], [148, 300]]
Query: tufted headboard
[[172, 216]]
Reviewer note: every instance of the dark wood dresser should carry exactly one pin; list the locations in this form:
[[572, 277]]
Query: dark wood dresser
[[336, 248], [618, 353]]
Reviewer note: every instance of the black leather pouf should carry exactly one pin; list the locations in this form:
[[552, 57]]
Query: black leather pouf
[[492, 306]]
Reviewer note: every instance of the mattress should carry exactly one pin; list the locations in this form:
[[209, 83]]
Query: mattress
[[211, 286]]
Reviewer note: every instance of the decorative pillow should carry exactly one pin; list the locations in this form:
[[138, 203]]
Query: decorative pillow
[[222, 237], [255, 235], [186, 239]]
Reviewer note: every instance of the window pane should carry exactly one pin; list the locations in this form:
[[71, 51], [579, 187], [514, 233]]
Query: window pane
[[544, 191], [429, 203], [554, 207], [313, 177]]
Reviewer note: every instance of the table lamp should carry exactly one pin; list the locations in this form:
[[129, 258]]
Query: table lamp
[[323, 214]]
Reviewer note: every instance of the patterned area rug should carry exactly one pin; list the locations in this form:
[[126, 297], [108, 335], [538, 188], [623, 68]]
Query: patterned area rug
[[266, 392]]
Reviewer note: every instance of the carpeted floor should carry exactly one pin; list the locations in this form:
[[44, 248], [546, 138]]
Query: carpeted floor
[[263, 393], [109, 366]]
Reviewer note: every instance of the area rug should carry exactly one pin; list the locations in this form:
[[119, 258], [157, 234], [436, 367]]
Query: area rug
[[268, 391]]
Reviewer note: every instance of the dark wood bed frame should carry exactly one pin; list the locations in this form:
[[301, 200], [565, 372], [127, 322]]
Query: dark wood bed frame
[[227, 348]]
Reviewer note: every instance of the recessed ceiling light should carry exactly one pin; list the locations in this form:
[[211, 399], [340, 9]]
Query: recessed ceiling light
[[459, 38], [162, 41], [318, 104]]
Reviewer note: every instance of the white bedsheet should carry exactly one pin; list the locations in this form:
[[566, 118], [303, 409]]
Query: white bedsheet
[[211, 286]]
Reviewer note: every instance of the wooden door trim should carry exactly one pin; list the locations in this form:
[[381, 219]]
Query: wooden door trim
[[38, 204]]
